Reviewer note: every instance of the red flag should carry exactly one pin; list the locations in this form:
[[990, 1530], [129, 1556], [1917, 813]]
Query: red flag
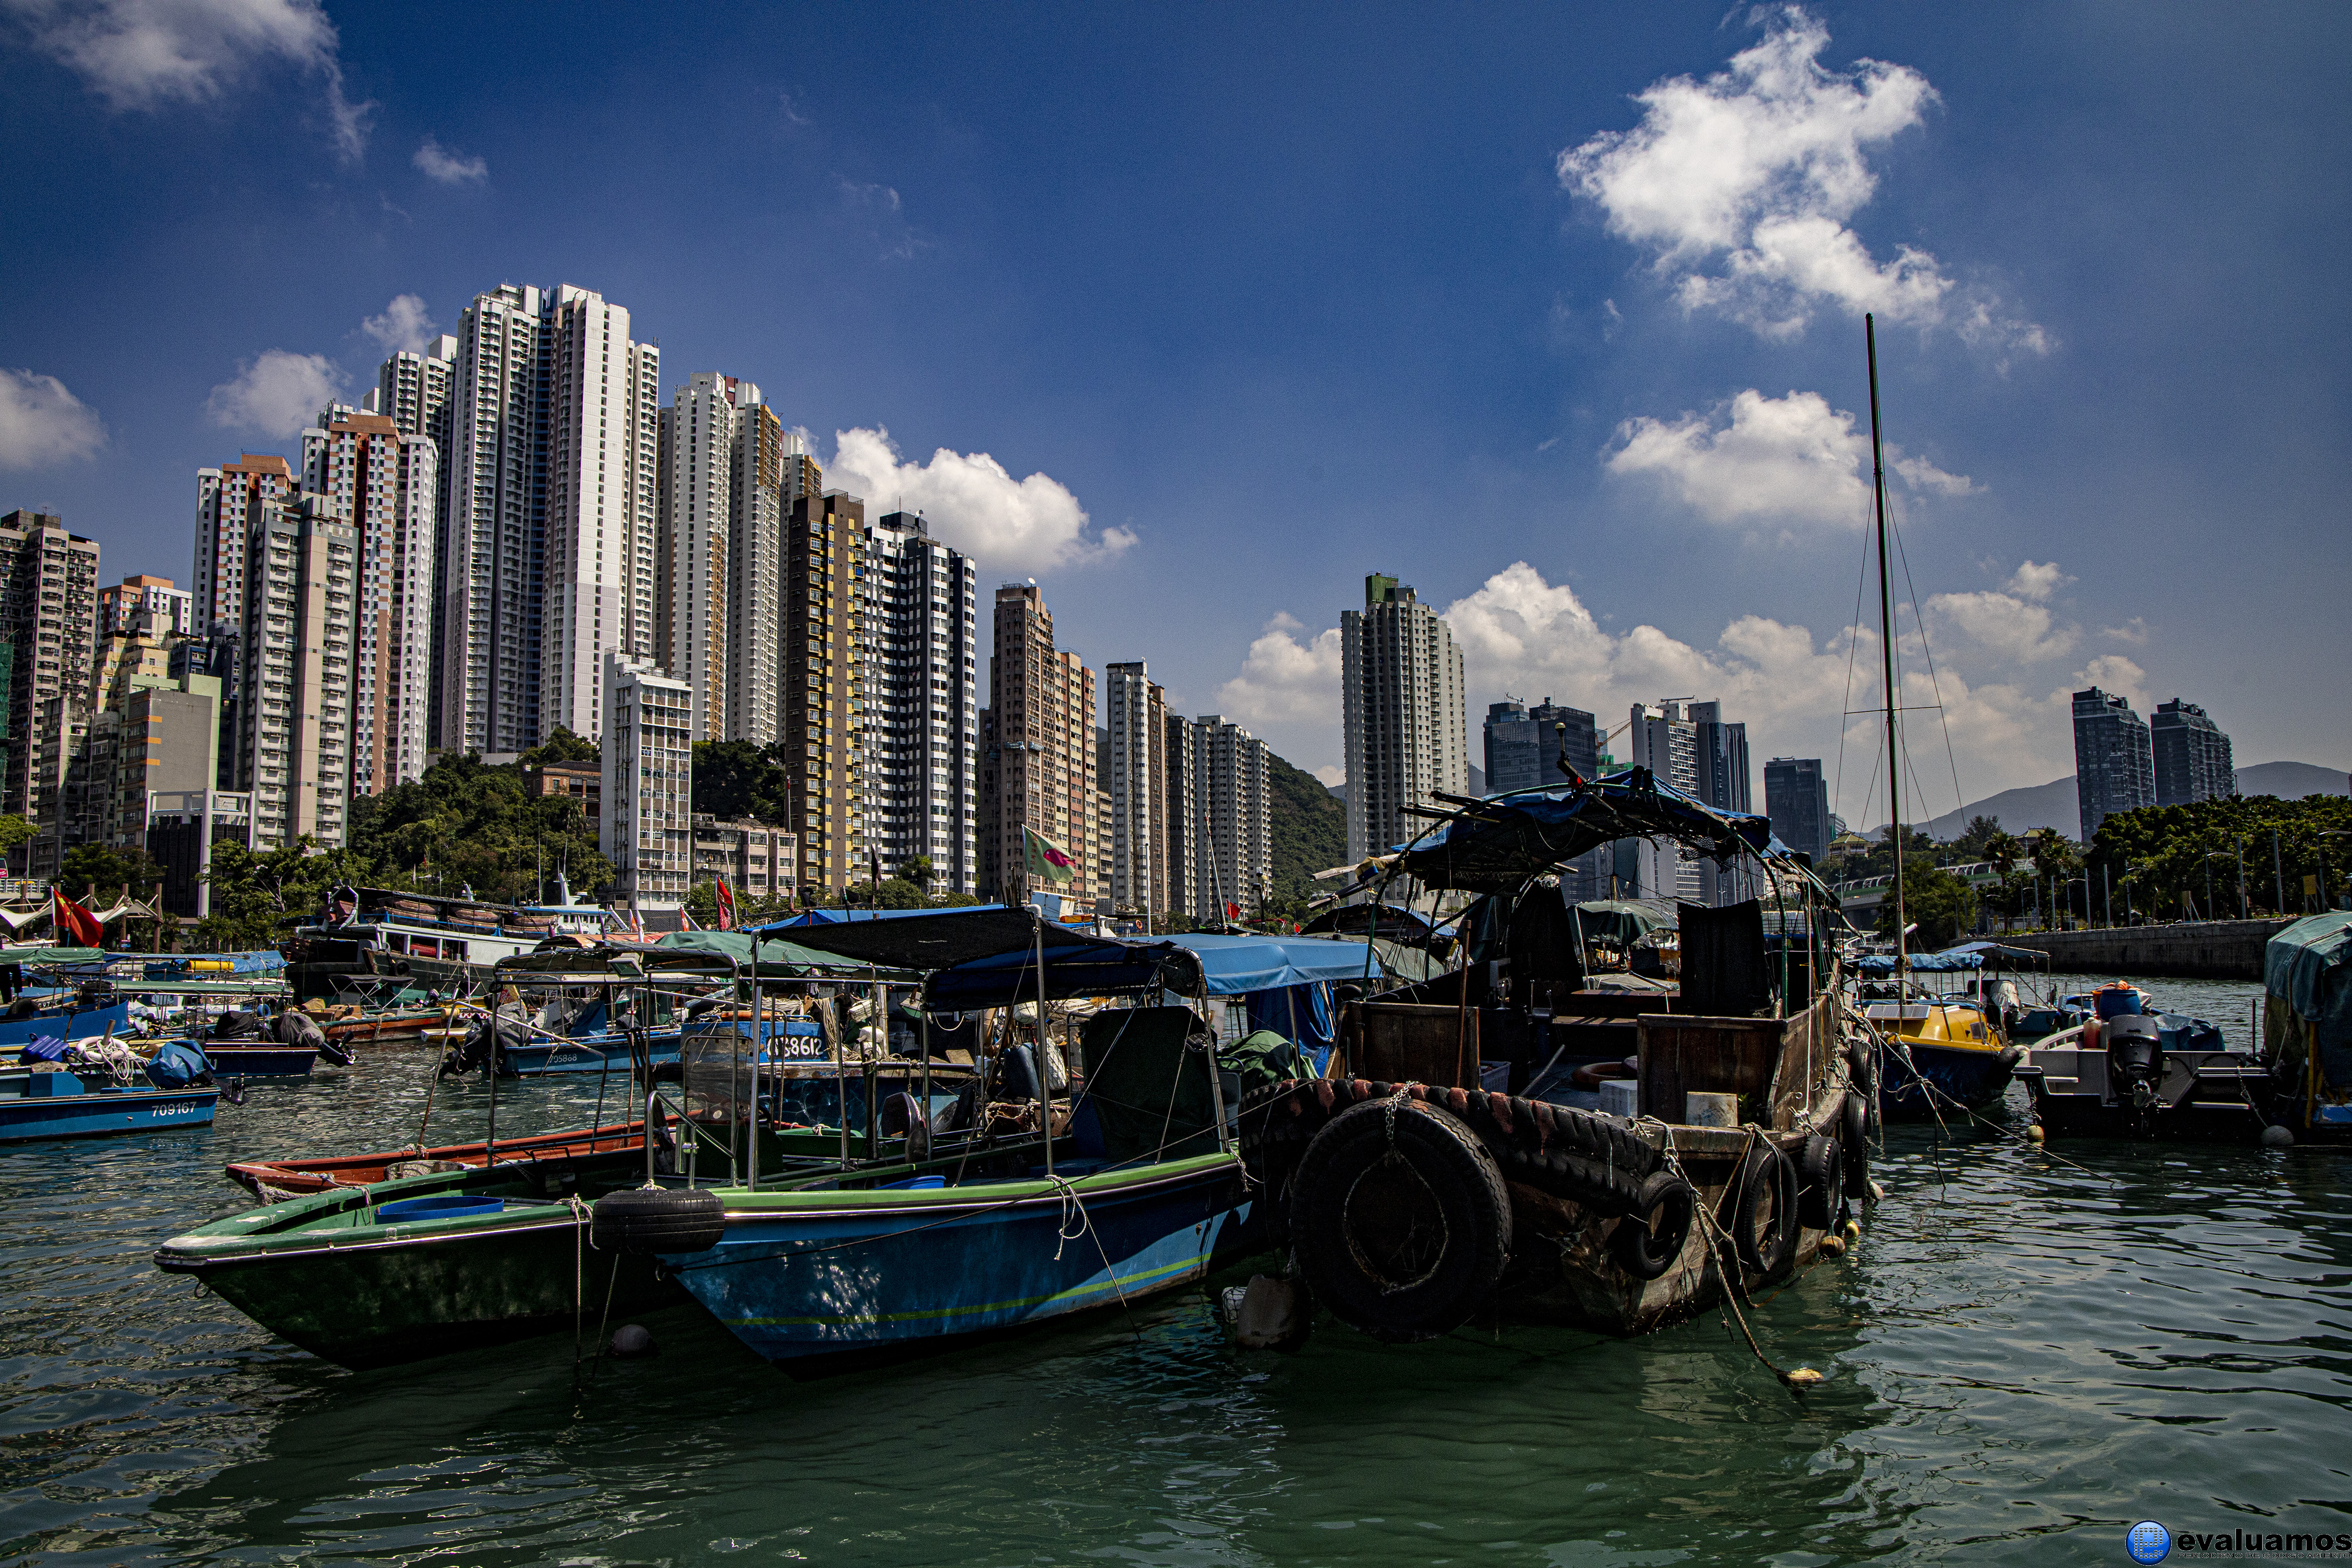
[[1232, 912], [74, 923], [726, 904]]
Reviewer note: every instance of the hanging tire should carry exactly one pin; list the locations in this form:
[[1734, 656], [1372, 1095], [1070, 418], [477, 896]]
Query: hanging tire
[[1762, 1206], [1400, 1220], [658, 1219], [1646, 1248], [1853, 1120], [1820, 1175]]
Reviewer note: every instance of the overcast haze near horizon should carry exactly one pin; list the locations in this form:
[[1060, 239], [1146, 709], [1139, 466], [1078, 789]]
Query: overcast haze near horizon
[[1199, 316]]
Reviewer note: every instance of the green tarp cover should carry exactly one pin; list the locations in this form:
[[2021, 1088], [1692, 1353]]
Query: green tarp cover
[[1262, 1058], [1624, 921], [778, 959], [1150, 1095], [55, 954], [2308, 966]]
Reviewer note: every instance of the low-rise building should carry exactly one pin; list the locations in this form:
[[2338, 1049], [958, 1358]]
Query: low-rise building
[[580, 781], [647, 785], [755, 859]]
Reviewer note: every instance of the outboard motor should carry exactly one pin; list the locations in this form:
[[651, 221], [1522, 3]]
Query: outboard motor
[[2134, 1062]]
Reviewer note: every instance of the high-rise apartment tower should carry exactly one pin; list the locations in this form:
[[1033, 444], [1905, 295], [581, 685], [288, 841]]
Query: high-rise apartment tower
[[2114, 766], [1404, 721]]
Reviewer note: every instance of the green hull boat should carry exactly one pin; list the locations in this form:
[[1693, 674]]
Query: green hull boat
[[398, 1271]]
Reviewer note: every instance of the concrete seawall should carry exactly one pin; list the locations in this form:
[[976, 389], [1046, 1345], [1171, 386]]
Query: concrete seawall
[[2200, 949]]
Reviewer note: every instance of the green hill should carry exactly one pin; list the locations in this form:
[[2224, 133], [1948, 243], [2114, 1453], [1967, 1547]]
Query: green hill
[[1311, 829]]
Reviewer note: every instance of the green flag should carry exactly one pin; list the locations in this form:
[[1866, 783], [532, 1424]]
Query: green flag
[[1046, 861]]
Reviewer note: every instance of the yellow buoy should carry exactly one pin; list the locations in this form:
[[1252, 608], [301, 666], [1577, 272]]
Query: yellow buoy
[[2034, 1134], [1853, 1231], [1833, 1245], [1801, 1377]]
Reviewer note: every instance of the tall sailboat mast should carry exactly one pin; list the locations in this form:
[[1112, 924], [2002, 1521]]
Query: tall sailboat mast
[[1886, 655]]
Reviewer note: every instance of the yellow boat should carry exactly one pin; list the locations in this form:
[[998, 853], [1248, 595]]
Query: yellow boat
[[1933, 1056]]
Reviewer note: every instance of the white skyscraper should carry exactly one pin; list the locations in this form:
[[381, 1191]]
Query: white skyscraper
[[1664, 738], [1231, 831], [646, 825], [923, 721], [384, 484], [698, 456], [1135, 774], [1405, 719], [228, 501], [602, 461], [491, 559], [768, 460]]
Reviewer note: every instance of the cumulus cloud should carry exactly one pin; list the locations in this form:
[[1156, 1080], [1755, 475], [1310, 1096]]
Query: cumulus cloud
[[1789, 459], [2112, 672], [1523, 635], [2037, 580], [402, 325], [2002, 625], [276, 393], [147, 54], [970, 500], [1286, 680], [1741, 186], [438, 162], [41, 423]]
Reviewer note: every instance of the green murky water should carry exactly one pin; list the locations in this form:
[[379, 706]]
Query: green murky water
[[2023, 1359]]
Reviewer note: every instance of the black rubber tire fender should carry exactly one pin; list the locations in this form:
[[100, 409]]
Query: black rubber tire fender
[[1420, 1284], [658, 1219], [1821, 1176], [1853, 1118], [1764, 1239], [1645, 1249]]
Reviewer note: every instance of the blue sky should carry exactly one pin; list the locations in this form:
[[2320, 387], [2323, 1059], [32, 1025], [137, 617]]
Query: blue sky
[[1553, 313]]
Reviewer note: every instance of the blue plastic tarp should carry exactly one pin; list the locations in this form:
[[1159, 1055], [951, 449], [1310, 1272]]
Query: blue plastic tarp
[[1879, 965], [2308, 966], [844, 917], [1505, 839], [1237, 965], [1299, 1014]]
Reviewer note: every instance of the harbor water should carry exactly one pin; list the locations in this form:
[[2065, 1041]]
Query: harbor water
[[2030, 1351]]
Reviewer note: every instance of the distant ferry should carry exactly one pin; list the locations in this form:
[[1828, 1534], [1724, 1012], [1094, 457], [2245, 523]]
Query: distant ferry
[[440, 942]]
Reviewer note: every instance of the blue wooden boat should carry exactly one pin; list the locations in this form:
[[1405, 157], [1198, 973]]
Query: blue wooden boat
[[65, 1023], [37, 1106], [259, 1058], [541, 1057], [813, 1274]]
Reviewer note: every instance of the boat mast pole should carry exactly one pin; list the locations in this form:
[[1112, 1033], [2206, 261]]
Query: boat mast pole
[[1886, 656]]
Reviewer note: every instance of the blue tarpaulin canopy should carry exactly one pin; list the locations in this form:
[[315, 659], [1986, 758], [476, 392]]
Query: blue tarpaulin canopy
[[1877, 965], [2308, 966], [844, 917], [1499, 842], [1237, 965], [989, 957]]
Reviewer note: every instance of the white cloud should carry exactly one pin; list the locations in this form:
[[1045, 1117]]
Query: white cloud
[[2112, 672], [2037, 580], [2132, 631], [402, 325], [276, 393], [1741, 186], [41, 423], [2002, 625], [146, 54], [1794, 458], [1531, 638], [970, 500], [1285, 680], [438, 162]]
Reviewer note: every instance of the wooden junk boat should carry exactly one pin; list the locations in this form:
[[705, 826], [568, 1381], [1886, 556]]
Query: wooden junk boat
[[1447, 1167]]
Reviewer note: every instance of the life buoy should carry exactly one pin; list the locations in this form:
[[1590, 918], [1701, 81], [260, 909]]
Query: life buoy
[[1853, 1120], [1645, 1247], [1821, 1172], [1762, 1209], [1399, 1219]]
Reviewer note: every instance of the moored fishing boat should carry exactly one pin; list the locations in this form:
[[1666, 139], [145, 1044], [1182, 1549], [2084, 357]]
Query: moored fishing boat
[[1447, 1170], [1135, 1190], [1937, 1057], [101, 1087]]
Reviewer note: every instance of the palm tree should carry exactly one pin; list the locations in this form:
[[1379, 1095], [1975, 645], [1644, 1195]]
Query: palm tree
[[2004, 849]]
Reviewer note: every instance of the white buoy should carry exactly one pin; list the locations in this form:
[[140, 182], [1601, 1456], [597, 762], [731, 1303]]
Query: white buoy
[[1877, 1192], [2276, 1137], [1272, 1315]]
